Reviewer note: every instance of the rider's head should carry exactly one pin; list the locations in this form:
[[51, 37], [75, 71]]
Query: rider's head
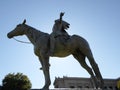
[[60, 25]]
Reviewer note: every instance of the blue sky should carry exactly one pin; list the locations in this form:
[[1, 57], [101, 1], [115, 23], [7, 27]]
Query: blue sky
[[98, 21]]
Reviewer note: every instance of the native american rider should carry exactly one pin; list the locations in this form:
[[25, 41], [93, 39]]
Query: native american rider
[[58, 31]]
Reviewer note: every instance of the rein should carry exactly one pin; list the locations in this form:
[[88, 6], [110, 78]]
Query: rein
[[21, 41]]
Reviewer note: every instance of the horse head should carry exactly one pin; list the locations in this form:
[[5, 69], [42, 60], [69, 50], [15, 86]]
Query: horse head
[[19, 30], [60, 25]]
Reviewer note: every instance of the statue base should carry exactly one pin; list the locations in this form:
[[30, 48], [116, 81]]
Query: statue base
[[71, 89], [75, 89]]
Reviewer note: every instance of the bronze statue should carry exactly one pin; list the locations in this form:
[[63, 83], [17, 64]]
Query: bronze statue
[[64, 45]]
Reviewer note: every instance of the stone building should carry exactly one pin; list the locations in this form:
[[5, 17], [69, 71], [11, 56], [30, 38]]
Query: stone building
[[75, 82]]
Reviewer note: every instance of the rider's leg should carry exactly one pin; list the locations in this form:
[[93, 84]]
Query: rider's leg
[[52, 45]]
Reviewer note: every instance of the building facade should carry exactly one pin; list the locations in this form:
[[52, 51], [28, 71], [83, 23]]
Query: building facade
[[75, 82]]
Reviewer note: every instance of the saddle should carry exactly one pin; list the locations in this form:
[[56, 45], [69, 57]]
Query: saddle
[[63, 38]]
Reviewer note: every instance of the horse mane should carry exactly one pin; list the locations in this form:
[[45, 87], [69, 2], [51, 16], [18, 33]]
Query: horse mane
[[35, 33]]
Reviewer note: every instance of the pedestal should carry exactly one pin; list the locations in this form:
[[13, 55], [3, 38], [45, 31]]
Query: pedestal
[[75, 89]]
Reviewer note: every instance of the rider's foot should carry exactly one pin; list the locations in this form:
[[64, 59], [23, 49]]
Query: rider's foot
[[42, 68]]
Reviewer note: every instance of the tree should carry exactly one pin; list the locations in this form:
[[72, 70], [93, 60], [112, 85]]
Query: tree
[[16, 82]]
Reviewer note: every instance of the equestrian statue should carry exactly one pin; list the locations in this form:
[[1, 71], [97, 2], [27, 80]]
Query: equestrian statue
[[59, 44]]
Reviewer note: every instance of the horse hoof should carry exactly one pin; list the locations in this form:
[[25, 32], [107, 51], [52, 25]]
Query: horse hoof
[[44, 89]]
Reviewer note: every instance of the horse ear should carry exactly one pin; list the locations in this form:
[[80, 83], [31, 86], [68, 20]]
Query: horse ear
[[24, 21]]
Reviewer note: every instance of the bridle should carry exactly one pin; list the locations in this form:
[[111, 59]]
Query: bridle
[[21, 41]]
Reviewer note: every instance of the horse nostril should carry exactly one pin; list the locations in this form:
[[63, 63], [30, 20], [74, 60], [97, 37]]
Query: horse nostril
[[8, 35]]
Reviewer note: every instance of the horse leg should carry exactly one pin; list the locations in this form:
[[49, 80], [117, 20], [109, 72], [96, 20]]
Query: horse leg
[[45, 68], [41, 62], [81, 59], [96, 69], [37, 53]]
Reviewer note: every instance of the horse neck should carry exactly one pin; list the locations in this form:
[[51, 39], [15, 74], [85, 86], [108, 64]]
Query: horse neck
[[33, 34]]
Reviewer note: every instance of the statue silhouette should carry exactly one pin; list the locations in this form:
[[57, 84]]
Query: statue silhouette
[[61, 45]]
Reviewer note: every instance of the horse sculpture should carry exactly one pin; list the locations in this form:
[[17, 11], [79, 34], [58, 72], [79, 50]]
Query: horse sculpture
[[75, 45]]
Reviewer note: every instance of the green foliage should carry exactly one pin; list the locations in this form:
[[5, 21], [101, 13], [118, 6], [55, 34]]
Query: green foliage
[[16, 82]]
